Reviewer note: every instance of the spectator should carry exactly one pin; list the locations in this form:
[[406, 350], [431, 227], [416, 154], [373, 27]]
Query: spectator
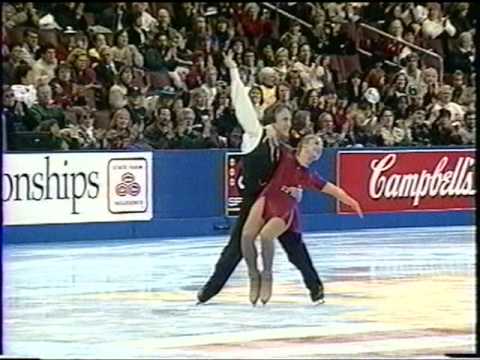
[[267, 54], [164, 25], [199, 105], [459, 87], [225, 120], [470, 126], [234, 141], [136, 108], [431, 87], [137, 35], [445, 102], [294, 34], [184, 16], [401, 110], [125, 53], [223, 35], [115, 17], [398, 88], [326, 130], [362, 130], [420, 129], [17, 56], [297, 87], [160, 134], [44, 68], [147, 22], [107, 69], [210, 84], [71, 14], [82, 74], [83, 135], [116, 99], [459, 17], [99, 42], [463, 56], [283, 99], [387, 134], [256, 95], [12, 118], [311, 103], [44, 111], [442, 131], [268, 79], [435, 25], [160, 57], [62, 86], [301, 126], [413, 72], [121, 133], [251, 26], [186, 136], [30, 42], [200, 38], [281, 63], [355, 87]]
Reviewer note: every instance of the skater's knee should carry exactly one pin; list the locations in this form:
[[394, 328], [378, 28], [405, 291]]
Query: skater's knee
[[248, 235]]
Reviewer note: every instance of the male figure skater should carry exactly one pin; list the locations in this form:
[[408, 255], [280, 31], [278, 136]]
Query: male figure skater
[[259, 165]]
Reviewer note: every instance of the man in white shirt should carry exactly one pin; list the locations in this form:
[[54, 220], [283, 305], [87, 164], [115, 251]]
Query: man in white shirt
[[44, 68]]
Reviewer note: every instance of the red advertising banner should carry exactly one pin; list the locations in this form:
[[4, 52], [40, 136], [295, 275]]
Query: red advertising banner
[[233, 183], [408, 180]]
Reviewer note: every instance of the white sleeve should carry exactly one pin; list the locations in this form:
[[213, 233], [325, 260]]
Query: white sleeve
[[449, 28], [244, 110]]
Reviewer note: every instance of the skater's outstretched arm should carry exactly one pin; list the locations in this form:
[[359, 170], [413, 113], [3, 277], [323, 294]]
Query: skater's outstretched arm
[[341, 195]]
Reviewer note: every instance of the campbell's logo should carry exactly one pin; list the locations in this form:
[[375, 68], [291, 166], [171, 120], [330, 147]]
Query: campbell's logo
[[128, 186], [421, 184]]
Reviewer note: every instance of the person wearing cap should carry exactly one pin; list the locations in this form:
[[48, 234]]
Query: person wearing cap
[[136, 108]]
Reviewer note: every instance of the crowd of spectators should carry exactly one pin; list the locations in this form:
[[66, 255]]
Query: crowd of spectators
[[151, 75]]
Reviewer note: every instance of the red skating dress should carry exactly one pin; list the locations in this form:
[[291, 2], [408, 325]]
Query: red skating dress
[[288, 173]]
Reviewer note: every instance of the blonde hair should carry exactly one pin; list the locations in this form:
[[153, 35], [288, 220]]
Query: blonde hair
[[116, 114], [306, 140]]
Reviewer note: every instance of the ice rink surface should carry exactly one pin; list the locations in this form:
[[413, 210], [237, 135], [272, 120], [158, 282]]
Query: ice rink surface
[[389, 293]]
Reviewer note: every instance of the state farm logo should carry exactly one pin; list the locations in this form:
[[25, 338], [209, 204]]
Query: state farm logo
[[128, 186], [421, 184]]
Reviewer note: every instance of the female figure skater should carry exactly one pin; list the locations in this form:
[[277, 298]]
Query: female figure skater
[[274, 211]]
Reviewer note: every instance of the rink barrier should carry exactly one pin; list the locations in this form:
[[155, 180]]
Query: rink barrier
[[197, 205]]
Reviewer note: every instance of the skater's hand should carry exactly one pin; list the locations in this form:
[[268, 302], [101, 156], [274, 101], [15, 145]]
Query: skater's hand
[[295, 192], [356, 206], [228, 60]]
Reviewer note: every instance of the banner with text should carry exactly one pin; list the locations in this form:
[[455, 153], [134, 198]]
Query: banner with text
[[233, 183], [63, 188], [389, 181]]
